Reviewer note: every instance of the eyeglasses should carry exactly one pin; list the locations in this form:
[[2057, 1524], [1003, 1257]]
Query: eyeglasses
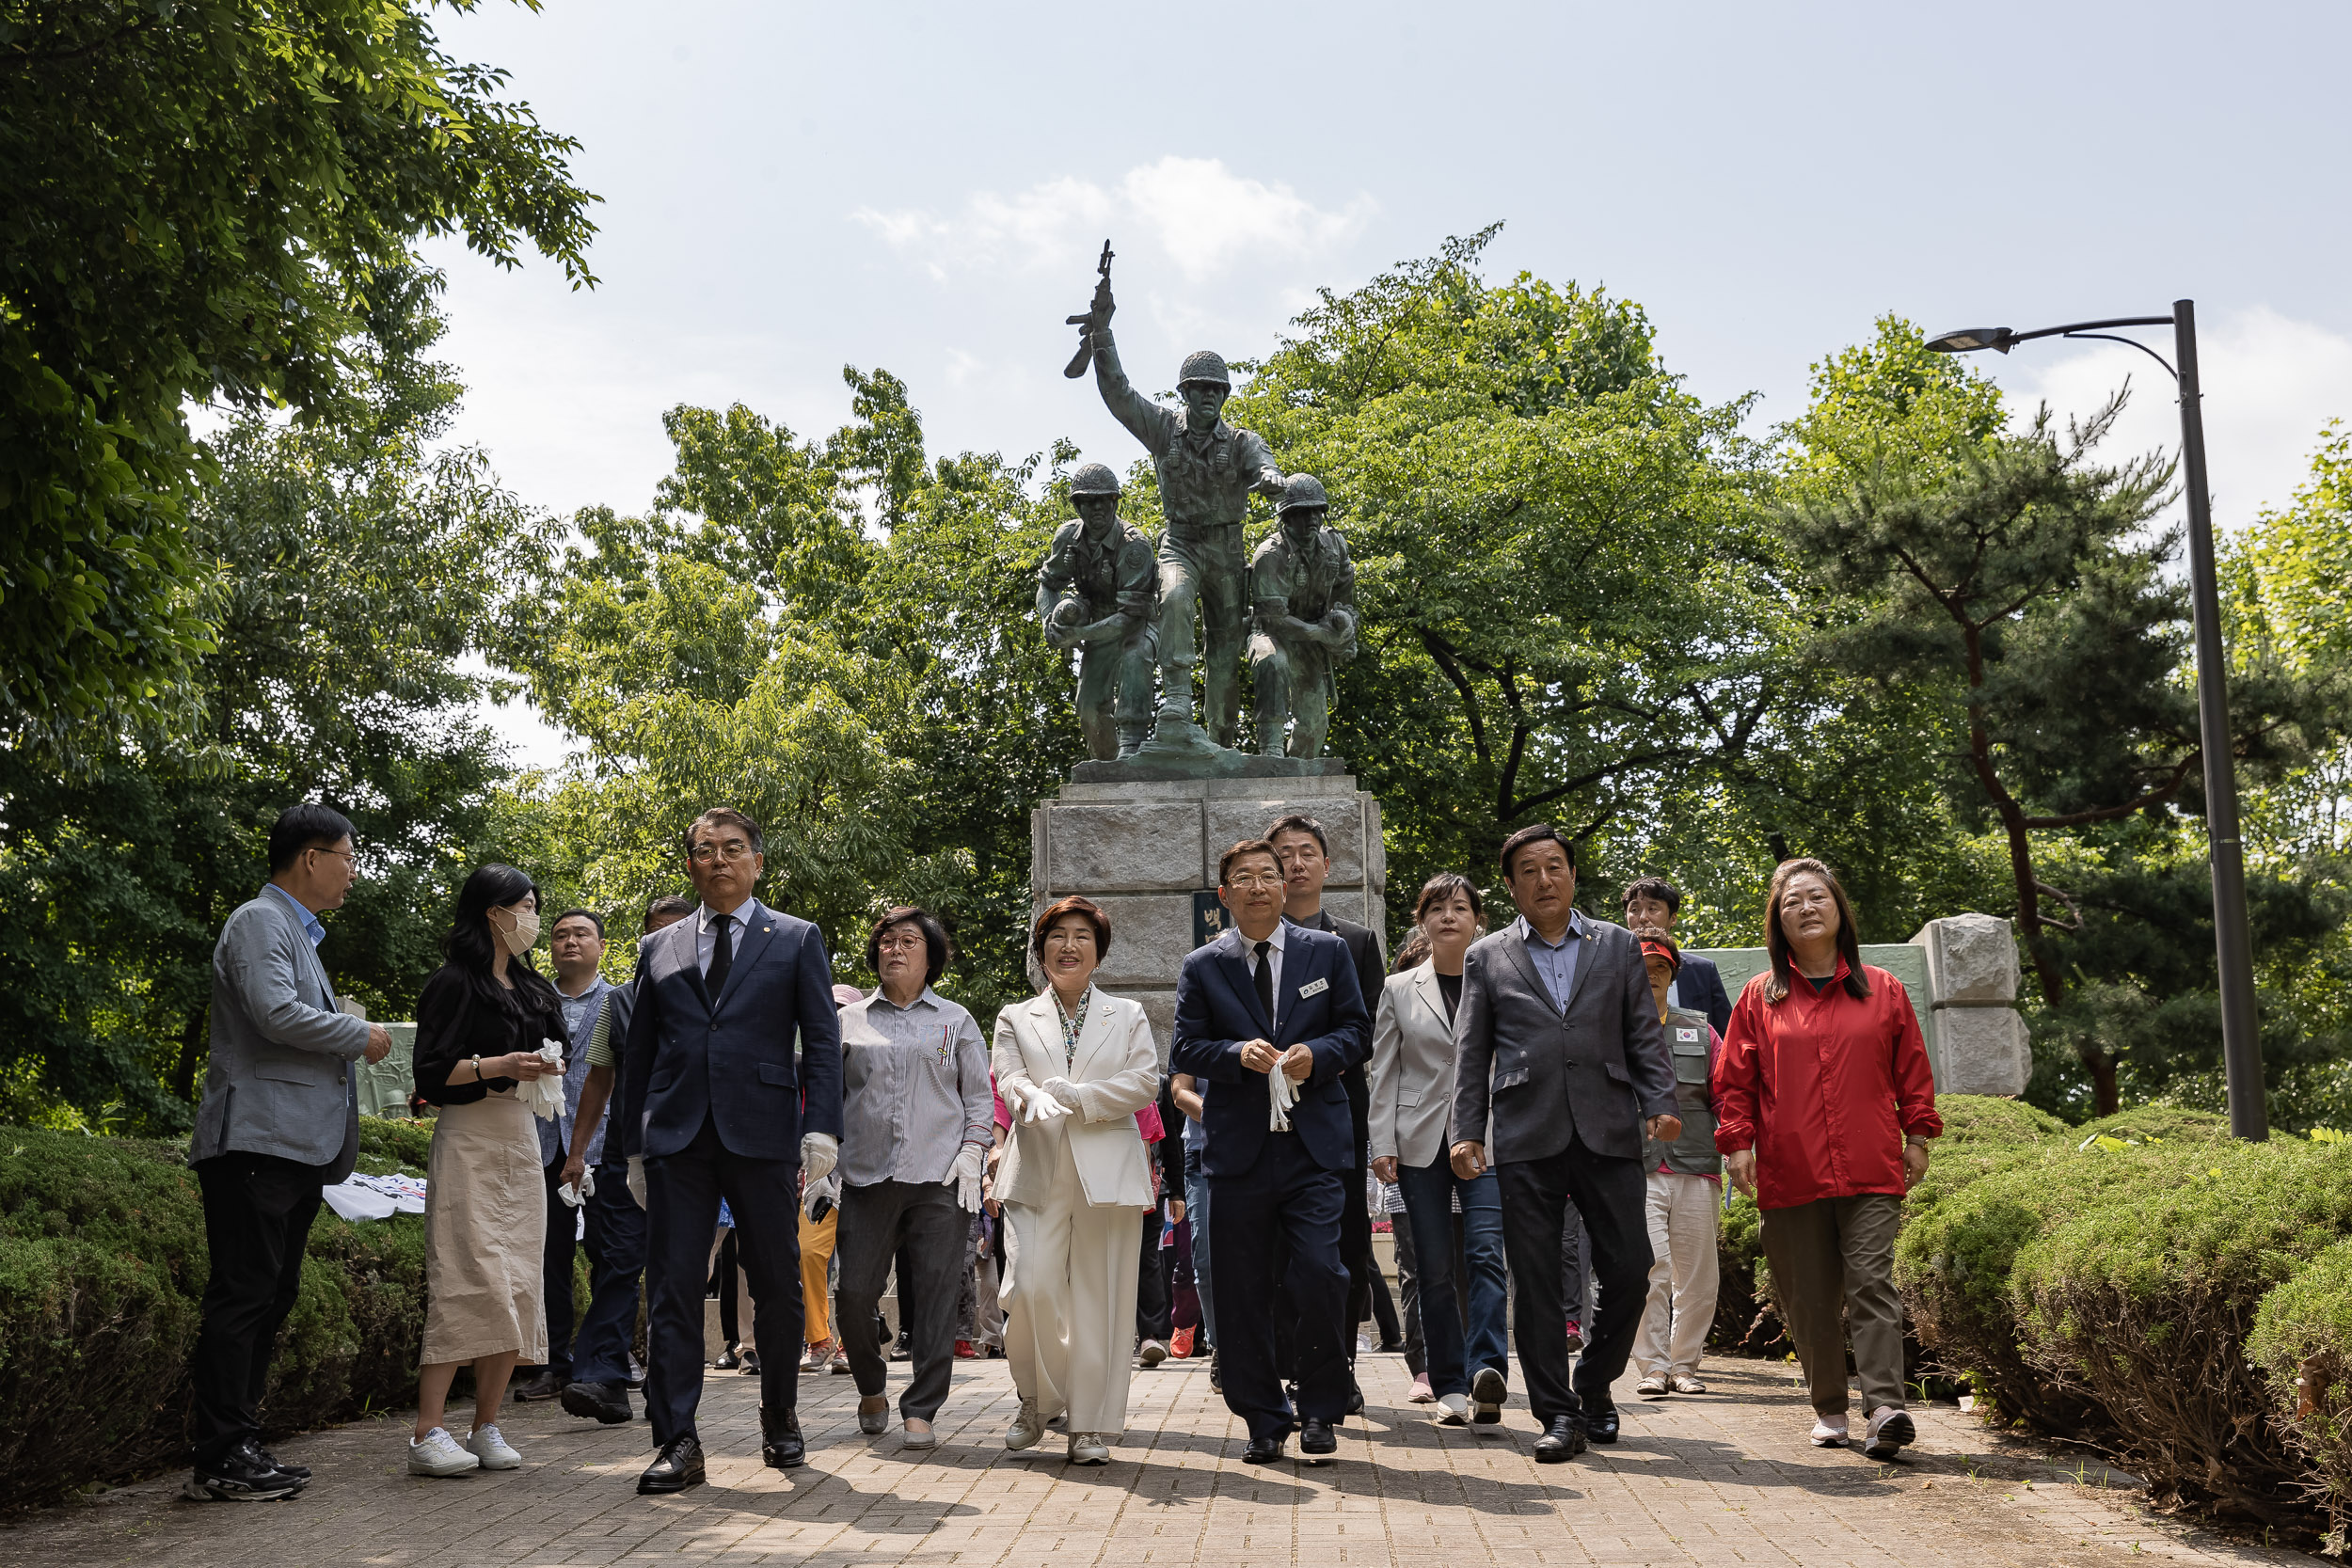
[[1254, 879], [732, 850], [349, 856], [900, 945]]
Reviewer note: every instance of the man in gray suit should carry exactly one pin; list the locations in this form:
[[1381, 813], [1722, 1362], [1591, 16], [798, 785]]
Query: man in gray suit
[[1560, 1059], [280, 1120]]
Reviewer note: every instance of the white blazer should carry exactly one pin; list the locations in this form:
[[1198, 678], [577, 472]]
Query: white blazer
[[1412, 1069], [1117, 1072]]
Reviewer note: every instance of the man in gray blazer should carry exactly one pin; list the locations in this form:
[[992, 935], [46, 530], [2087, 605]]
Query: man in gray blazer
[[280, 1120], [1561, 1061]]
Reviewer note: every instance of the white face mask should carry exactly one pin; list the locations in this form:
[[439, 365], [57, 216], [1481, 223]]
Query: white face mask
[[524, 934]]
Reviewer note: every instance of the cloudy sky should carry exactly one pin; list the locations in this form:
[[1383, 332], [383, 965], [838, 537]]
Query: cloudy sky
[[791, 188]]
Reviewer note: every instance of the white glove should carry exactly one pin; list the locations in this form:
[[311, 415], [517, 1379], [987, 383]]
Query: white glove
[[1065, 1094], [637, 1179], [964, 1176], [1281, 1094], [827, 1186], [544, 1095], [1037, 1105], [582, 1194], [820, 1153]]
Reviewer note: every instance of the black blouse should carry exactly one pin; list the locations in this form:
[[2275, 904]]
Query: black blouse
[[454, 1025]]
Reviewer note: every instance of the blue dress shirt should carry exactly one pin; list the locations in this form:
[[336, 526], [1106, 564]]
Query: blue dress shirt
[[310, 925], [1555, 964]]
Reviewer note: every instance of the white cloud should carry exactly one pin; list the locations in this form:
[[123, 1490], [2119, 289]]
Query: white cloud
[[1195, 212], [2270, 384]]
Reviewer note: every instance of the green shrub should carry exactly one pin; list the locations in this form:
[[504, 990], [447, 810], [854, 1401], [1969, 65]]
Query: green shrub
[[388, 1146], [2303, 1339], [1983, 1119], [1744, 1322], [101, 1269], [2169, 1124], [2143, 1297]]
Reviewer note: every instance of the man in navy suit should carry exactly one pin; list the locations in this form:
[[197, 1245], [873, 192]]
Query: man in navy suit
[[723, 1110], [1270, 997], [1653, 901]]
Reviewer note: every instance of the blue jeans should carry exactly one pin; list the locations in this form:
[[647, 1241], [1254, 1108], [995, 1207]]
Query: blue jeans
[[1454, 1349], [616, 1258], [1197, 1211]]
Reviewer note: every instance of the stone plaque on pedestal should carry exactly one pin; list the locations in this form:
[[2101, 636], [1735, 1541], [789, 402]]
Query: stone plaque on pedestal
[[1144, 849]]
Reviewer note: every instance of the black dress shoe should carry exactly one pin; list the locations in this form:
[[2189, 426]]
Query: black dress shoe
[[1561, 1442], [677, 1467], [1317, 1442], [604, 1401], [727, 1360], [1601, 1428], [1392, 1347], [546, 1385], [1216, 1377], [1354, 1399], [781, 1445], [1264, 1450], [750, 1363]]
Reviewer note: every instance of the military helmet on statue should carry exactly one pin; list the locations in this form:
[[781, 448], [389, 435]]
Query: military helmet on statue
[[1094, 479], [1302, 491], [1205, 365]]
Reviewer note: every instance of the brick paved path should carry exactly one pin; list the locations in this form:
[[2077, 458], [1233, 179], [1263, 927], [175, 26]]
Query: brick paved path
[[1725, 1478]]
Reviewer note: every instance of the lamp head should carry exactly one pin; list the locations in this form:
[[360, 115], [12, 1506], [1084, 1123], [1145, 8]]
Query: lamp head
[[1968, 339]]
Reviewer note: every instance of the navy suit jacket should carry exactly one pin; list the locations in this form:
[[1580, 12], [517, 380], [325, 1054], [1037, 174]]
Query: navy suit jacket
[[692, 1057], [1700, 985], [1216, 1010]]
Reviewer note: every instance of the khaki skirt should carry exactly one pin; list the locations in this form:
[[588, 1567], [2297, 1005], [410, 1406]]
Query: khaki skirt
[[485, 1224]]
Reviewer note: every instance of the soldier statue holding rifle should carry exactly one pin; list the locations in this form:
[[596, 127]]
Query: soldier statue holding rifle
[[1208, 471], [1097, 592]]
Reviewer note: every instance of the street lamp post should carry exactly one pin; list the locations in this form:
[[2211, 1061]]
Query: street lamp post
[[2241, 1044]]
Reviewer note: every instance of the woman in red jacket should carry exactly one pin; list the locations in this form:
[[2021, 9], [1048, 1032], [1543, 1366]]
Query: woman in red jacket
[[1825, 1103]]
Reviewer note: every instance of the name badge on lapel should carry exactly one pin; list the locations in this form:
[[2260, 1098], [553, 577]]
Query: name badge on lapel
[[1313, 988]]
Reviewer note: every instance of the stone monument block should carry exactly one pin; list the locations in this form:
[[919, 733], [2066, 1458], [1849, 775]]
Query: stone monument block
[[1972, 957], [1983, 1051], [1145, 849]]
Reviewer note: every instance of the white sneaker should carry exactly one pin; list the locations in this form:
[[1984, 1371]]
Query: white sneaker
[[437, 1454], [1652, 1388], [1453, 1410], [1683, 1384], [1088, 1448], [487, 1445], [1027, 1427], [1829, 1431]]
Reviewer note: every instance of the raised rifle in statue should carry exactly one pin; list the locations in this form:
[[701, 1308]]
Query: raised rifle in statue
[[1098, 315]]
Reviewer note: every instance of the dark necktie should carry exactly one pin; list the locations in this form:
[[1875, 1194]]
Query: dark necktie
[[1265, 981], [722, 957]]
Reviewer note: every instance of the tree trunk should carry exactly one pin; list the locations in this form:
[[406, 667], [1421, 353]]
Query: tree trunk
[[191, 1047]]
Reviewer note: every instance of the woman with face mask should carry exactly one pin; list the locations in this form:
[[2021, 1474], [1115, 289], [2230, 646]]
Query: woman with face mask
[[481, 1022]]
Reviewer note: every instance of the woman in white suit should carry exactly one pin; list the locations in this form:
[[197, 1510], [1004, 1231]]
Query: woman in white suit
[[1073, 1066], [1412, 1098]]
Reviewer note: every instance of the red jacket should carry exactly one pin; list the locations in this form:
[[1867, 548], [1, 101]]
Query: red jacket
[[1825, 1088]]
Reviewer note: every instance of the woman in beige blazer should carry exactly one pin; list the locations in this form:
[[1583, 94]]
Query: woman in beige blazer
[[1073, 1066]]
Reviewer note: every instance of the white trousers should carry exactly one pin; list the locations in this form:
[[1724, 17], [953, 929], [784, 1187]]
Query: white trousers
[[1068, 1296], [1684, 1212]]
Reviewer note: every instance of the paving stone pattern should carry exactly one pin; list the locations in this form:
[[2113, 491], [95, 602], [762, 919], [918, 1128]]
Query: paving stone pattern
[[1725, 1478]]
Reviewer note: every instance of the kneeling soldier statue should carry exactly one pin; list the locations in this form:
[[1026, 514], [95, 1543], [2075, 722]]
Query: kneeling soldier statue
[[1098, 592], [1302, 588]]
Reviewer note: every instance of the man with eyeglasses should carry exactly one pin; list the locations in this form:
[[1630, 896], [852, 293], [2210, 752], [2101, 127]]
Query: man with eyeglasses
[[280, 1120], [1270, 1000], [719, 1108]]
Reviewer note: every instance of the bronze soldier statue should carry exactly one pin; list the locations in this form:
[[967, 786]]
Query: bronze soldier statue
[[1096, 592], [1302, 590], [1208, 471]]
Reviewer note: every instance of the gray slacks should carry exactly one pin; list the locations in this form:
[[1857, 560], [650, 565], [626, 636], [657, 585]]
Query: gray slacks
[[875, 1220]]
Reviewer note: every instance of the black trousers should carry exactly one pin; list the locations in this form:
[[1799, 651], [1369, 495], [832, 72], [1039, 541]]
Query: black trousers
[[682, 1193], [925, 1229], [257, 1210], [1610, 1195], [556, 1279], [1409, 1288], [1155, 1308], [1287, 1208]]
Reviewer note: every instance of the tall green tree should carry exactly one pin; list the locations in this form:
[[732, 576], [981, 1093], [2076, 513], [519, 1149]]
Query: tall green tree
[[360, 561], [204, 200]]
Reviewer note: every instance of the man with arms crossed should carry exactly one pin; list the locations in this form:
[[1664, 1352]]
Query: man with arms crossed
[[1271, 998], [280, 1120], [1557, 1040], [709, 1064]]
